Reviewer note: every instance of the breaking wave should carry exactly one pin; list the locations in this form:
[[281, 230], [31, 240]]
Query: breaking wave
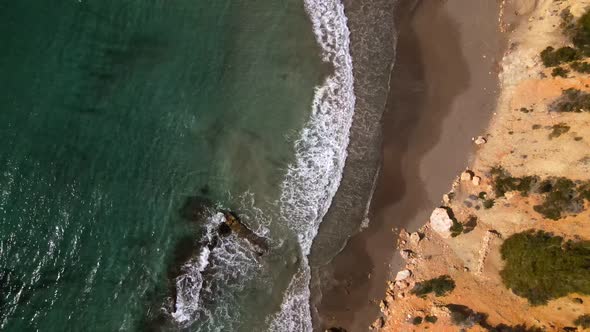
[[312, 181], [214, 275]]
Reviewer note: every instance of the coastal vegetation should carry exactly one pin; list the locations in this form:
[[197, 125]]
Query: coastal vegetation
[[572, 100], [540, 266], [583, 321], [580, 67], [465, 317], [559, 71], [561, 196], [552, 57], [558, 130], [503, 182], [440, 286], [579, 34]]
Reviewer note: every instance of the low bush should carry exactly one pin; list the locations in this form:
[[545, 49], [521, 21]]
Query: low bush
[[503, 182], [583, 321], [581, 34], [558, 130], [464, 316], [559, 71], [561, 197], [417, 320], [456, 229], [440, 286], [580, 67], [552, 57], [431, 319], [541, 267], [572, 100]]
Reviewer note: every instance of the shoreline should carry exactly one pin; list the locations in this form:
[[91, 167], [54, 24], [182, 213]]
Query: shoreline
[[442, 92], [495, 273]]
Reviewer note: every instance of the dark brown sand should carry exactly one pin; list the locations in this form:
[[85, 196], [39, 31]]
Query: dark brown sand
[[443, 92]]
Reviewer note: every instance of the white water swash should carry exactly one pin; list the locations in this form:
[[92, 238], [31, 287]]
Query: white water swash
[[313, 180], [309, 185]]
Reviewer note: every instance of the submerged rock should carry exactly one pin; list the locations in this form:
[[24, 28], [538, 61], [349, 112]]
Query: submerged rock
[[196, 208], [240, 229], [441, 222]]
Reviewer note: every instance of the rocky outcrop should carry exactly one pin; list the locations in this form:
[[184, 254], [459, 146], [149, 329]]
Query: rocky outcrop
[[240, 229], [441, 222]]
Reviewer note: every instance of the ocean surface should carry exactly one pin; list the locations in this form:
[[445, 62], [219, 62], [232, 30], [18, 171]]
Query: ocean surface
[[114, 113]]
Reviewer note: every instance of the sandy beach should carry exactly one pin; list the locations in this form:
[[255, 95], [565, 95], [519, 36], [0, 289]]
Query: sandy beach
[[443, 90]]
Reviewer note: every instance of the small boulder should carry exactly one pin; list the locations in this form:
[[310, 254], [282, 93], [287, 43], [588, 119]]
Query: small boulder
[[403, 275], [415, 238], [480, 140], [467, 175], [377, 324], [406, 254], [476, 180], [446, 199], [441, 222]]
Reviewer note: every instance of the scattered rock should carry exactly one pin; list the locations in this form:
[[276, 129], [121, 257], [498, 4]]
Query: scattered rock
[[446, 199], [402, 284], [441, 222], [476, 180], [415, 238], [377, 324], [480, 140], [467, 175], [406, 253], [403, 275], [390, 285]]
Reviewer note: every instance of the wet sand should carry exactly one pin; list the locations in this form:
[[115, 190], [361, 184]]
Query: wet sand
[[443, 92]]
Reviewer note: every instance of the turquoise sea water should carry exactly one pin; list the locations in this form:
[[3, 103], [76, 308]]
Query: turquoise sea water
[[111, 114]]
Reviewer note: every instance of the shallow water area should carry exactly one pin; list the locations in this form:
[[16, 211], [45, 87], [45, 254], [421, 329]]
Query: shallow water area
[[113, 113]]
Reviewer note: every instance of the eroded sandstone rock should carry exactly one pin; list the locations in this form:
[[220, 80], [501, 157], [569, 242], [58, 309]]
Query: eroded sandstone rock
[[441, 222]]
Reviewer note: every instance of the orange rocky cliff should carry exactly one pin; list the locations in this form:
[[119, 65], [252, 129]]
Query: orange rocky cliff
[[522, 209]]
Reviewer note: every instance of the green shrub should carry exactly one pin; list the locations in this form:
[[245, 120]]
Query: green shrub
[[431, 319], [583, 321], [417, 320], [456, 229], [581, 38], [464, 316], [503, 182], [488, 203], [552, 57], [572, 100], [559, 71], [581, 67], [567, 22], [561, 197], [541, 267], [440, 286], [558, 130]]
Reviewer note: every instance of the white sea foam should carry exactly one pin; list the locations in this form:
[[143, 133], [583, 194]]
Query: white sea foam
[[311, 182], [190, 282], [229, 266]]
